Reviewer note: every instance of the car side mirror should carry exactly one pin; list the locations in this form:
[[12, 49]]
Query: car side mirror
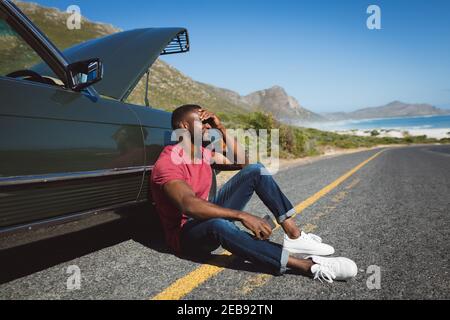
[[83, 74]]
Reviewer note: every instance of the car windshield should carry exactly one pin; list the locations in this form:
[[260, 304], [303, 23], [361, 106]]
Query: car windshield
[[15, 53]]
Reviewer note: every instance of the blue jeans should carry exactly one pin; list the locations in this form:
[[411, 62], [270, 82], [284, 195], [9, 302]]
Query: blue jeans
[[199, 237]]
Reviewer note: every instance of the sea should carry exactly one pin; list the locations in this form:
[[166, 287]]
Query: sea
[[409, 123]]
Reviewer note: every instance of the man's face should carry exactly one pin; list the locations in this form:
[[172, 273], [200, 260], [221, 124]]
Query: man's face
[[195, 126]]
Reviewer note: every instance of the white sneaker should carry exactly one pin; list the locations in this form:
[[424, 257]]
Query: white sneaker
[[330, 269], [307, 244], [312, 236]]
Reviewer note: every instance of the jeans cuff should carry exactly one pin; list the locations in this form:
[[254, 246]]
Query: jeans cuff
[[286, 216], [284, 261]]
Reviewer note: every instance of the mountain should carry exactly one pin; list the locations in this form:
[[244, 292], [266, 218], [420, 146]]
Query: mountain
[[52, 22], [168, 87], [281, 105], [275, 101], [395, 109]]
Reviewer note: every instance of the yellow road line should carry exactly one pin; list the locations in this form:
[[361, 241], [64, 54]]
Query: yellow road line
[[183, 286], [186, 284], [308, 202], [308, 228], [254, 282], [353, 184]]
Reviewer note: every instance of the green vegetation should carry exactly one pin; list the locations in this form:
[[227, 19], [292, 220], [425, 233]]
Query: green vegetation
[[170, 88], [298, 142]]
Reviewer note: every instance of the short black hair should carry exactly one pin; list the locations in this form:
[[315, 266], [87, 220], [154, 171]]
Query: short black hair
[[180, 113]]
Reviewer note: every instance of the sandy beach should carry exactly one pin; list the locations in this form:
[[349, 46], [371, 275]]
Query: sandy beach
[[396, 133]]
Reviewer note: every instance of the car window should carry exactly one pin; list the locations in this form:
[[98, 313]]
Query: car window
[[137, 95], [15, 53]]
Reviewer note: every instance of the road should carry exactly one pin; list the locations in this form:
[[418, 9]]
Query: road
[[387, 209]]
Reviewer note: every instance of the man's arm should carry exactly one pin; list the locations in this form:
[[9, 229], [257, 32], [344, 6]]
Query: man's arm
[[183, 197], [222, 163], [230, 146]]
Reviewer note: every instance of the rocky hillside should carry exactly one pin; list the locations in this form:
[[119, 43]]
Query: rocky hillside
[[169, 88], [53, 23], [284, 107], [391, 110], [274, 100]]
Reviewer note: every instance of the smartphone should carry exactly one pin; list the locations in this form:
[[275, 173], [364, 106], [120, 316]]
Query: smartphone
[[209, 121], [270, 222]]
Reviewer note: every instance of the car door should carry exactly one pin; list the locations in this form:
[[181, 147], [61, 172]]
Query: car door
[[61, 152]]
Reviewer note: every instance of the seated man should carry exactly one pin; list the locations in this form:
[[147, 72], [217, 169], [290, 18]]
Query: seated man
[[180, 184]]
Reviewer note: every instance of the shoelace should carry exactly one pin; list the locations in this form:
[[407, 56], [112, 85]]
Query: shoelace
[[324, 273], [312, 237]]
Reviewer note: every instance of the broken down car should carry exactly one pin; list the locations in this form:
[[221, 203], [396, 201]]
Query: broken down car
[[69, 144]]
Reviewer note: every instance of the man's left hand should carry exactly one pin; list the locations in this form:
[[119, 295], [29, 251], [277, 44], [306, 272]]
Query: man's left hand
[[214, 122]]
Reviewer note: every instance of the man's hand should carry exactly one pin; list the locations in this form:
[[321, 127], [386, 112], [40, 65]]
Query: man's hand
[[212, 119], [230, 145], [258, 226], [184, 198]]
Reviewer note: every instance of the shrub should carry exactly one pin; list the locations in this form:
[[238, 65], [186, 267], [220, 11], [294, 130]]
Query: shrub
[[259, 121], [298, 142]]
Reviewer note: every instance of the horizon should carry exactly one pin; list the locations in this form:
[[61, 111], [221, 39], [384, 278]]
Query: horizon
[[334, 63], [396, 101]]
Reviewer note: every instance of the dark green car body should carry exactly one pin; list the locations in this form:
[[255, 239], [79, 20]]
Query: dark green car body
[[66, 154]]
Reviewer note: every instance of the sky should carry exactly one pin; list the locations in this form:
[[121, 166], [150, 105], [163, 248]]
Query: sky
[[320, 51]]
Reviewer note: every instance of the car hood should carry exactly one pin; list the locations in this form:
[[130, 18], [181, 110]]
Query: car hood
[[126, 57]]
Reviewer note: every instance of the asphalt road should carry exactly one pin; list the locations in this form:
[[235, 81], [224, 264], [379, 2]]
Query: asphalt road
[[391, 216]]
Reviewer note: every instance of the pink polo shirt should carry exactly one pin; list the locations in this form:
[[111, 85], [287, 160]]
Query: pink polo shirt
[[171, 165]]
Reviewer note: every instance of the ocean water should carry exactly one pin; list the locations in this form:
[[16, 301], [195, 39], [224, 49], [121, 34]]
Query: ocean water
[[410, 123]]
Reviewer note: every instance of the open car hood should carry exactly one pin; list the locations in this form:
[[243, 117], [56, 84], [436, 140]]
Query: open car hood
[[127, 56]]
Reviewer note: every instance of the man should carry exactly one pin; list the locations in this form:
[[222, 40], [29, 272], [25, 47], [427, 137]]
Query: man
[[180, 185]]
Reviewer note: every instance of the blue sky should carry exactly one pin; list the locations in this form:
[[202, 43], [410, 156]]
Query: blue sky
[[320, 51]]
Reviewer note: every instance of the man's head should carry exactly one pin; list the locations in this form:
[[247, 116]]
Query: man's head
[[183, 116], [187, 117]]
